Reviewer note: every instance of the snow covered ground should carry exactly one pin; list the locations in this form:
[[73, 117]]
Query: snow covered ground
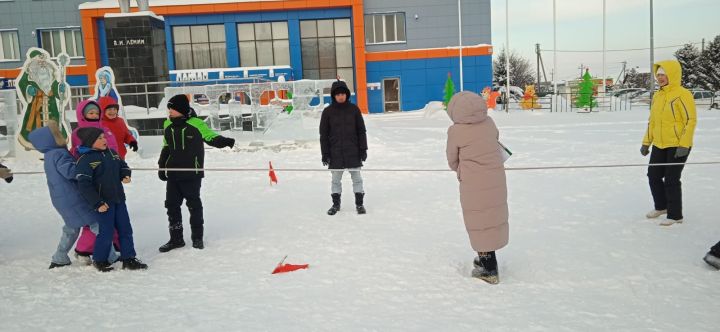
[[581, 254]]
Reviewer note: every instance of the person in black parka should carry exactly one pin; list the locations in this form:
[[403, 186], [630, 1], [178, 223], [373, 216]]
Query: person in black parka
[[343, 143]]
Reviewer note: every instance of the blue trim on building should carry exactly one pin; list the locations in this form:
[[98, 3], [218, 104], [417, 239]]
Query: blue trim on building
[[231, 20], [423, 80], [102, 43], [295, 50], [77, 80], [231, 45], [169, 46]]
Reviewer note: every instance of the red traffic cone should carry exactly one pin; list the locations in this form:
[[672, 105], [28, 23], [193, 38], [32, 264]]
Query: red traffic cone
[[271, 173], [283, 268]]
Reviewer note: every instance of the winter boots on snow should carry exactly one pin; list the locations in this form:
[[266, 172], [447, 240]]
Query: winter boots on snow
[[655, 213], [486, 267], [667, 222], [359, 203], [103, 266], [176, 239], [712, 259], [359, 207], [336, 204], [54, 265], [133, 264]]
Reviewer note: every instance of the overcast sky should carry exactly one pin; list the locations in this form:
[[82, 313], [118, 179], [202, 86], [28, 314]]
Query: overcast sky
[[579, 27]]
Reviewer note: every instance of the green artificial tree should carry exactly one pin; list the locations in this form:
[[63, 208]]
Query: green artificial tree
[[585, 95], [449, 91]]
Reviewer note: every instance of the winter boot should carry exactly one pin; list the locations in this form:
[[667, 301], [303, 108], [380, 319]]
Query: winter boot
[[103, 266], [83, 258], [176, 239], [359, 203], [197, 237], [486, 267], [336, 204], [670, 222], [712, 259], [54, 265], [133, 264], [655, 213]]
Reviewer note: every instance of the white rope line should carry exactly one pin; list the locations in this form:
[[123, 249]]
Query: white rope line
[[527, 168]]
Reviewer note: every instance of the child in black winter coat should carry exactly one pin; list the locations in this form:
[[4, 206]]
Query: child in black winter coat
[[100, 174], [183, 147]]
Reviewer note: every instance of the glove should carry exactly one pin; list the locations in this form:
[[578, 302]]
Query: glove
[[222, 142], [31, 91], [133, 146], [162, 176], [229, 142], [644, 150], [363, 155], [325, 160], [61, 88], [682, 152]]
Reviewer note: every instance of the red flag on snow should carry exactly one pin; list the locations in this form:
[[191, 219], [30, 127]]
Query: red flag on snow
[[271, 173], [283, 268]]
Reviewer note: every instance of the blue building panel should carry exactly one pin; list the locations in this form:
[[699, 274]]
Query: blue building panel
[[423, 80], [77, 80], [102, 43]]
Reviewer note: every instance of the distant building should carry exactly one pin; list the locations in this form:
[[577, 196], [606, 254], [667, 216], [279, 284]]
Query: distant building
[[394, 54]]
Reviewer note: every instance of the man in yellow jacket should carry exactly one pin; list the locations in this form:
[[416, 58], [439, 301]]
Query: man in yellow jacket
[[670, 131]]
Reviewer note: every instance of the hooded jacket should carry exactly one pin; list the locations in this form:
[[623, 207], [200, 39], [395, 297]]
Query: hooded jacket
[[60, 173], [117, 126], [82, 123], [342, 131], [99, 174], [473, 152], [672, 112]]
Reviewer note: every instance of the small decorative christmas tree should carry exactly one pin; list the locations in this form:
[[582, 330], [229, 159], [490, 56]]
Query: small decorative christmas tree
[[585, 95], [449, 91]]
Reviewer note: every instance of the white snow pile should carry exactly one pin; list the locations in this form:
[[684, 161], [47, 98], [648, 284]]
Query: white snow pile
[[581, 257]]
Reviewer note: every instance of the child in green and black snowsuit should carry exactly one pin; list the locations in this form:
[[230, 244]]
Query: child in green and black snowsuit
[[183, 147]]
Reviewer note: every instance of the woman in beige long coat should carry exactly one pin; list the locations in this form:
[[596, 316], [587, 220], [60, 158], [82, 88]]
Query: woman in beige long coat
[[473, 152]]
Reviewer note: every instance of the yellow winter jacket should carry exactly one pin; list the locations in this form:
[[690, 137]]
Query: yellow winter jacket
[[672, 114]]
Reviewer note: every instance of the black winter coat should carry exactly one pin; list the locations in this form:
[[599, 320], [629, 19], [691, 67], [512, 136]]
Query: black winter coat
[[184, 147], [342, 135]]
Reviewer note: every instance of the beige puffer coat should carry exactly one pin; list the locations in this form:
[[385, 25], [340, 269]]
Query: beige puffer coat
[[473, 152]]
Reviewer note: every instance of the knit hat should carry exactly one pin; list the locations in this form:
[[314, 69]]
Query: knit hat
[[180, 103], [659, 71], [88, 135], [90, 106]]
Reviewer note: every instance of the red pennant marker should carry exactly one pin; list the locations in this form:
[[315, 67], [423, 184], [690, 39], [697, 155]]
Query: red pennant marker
[[271, 173], [284, 268]]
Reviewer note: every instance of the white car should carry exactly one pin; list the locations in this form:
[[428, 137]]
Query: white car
[[704, 98]]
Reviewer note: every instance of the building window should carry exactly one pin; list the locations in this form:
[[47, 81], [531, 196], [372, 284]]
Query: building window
[[9, 46], [199, 46], [263, 44], [327, 50], [57, 41], [385, 28]]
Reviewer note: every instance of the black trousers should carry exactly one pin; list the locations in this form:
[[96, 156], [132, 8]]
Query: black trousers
[[188, 190], [665, 183]]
